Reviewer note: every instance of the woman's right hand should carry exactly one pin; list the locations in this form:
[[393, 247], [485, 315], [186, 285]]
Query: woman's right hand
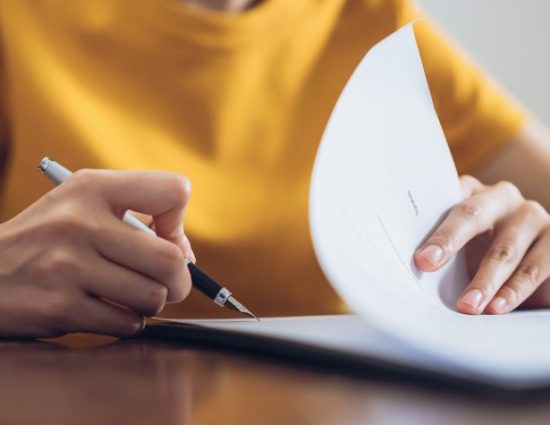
[[68, 263]]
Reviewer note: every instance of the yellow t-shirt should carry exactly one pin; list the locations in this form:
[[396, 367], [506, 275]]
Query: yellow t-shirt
[[238, 103]]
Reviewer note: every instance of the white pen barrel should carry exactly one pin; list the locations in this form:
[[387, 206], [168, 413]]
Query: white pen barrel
[[137, 223], [54, 171]]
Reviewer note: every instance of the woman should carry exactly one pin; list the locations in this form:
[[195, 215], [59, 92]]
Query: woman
[[234, 95]]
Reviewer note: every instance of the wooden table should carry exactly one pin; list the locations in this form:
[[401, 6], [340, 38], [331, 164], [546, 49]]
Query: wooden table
[[93, 380]]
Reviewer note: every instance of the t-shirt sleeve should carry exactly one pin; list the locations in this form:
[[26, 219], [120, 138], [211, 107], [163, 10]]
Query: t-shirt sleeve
[[477, 116]]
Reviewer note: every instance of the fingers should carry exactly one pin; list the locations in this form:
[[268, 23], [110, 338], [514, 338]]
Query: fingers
[[533, 270], [57, 311], [97, 316], [160, 194], [78, 267], [475, 215], [504, 255], [516, 263], [469, 186], [156, 258], [138, 292]]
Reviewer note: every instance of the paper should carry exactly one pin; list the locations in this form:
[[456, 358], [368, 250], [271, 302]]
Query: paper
[[383, 179], [351, 334]]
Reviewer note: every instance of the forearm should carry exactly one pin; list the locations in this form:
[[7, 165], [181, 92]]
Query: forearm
[[525, 161]]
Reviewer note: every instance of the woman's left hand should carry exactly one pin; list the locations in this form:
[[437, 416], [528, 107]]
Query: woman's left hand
[[507, 240]]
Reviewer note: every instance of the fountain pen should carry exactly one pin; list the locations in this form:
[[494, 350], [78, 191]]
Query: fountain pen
[[219, 294]]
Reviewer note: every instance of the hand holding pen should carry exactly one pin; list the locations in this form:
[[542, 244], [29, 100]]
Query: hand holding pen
[[220, 295], [69, 263]]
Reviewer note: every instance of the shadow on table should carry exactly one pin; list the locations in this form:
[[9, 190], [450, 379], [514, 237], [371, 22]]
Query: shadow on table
[[158, 382]]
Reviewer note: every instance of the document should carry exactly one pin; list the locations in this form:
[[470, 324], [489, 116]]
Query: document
[[383, 178]]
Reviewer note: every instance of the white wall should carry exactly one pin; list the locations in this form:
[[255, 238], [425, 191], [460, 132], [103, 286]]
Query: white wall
[[510, 38]]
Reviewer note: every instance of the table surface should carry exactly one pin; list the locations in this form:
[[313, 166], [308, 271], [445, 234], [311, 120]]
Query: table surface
[[86, 379]]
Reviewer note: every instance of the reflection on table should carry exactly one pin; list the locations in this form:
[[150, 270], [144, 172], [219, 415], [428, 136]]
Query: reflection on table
[[87, 381]]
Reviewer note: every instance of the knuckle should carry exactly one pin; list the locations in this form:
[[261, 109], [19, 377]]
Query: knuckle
[[486, 286], [69, 221], [469, 180], [180, 188], [509, 189], [523, 282], [502, 252], [40, 272], [528, 274], [57, 262], [469, 211], [53, 196], [511, 293], [156, 299], [86, 177], [536, 209], [62, 262], [448, 242]]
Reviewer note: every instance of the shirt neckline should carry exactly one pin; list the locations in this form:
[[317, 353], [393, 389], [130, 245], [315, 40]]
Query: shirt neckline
[[217, 30]]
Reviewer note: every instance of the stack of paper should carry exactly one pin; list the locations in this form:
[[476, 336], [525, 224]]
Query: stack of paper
[[383, 178]]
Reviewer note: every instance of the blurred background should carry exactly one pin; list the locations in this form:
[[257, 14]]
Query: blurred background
[[510, 38]]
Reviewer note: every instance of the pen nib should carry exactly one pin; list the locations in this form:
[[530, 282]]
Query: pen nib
[[233, 304]]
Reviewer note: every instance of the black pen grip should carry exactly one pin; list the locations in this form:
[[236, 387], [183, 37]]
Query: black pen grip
[[203, 282]]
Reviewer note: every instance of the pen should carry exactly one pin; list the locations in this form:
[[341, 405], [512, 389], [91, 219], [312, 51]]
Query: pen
[[201, 281]]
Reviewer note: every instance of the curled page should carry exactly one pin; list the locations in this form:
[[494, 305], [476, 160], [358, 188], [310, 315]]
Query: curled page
[[383, 178]]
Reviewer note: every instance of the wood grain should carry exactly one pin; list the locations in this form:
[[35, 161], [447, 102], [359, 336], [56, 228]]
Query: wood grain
[[95, 380]]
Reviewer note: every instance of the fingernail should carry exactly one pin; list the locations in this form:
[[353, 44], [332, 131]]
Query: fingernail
[[432, 253], [499, 304], [472, 298], [188, 250]]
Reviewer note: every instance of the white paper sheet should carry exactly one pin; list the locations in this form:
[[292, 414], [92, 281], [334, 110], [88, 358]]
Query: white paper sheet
[[351, 334], [383, 178]]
